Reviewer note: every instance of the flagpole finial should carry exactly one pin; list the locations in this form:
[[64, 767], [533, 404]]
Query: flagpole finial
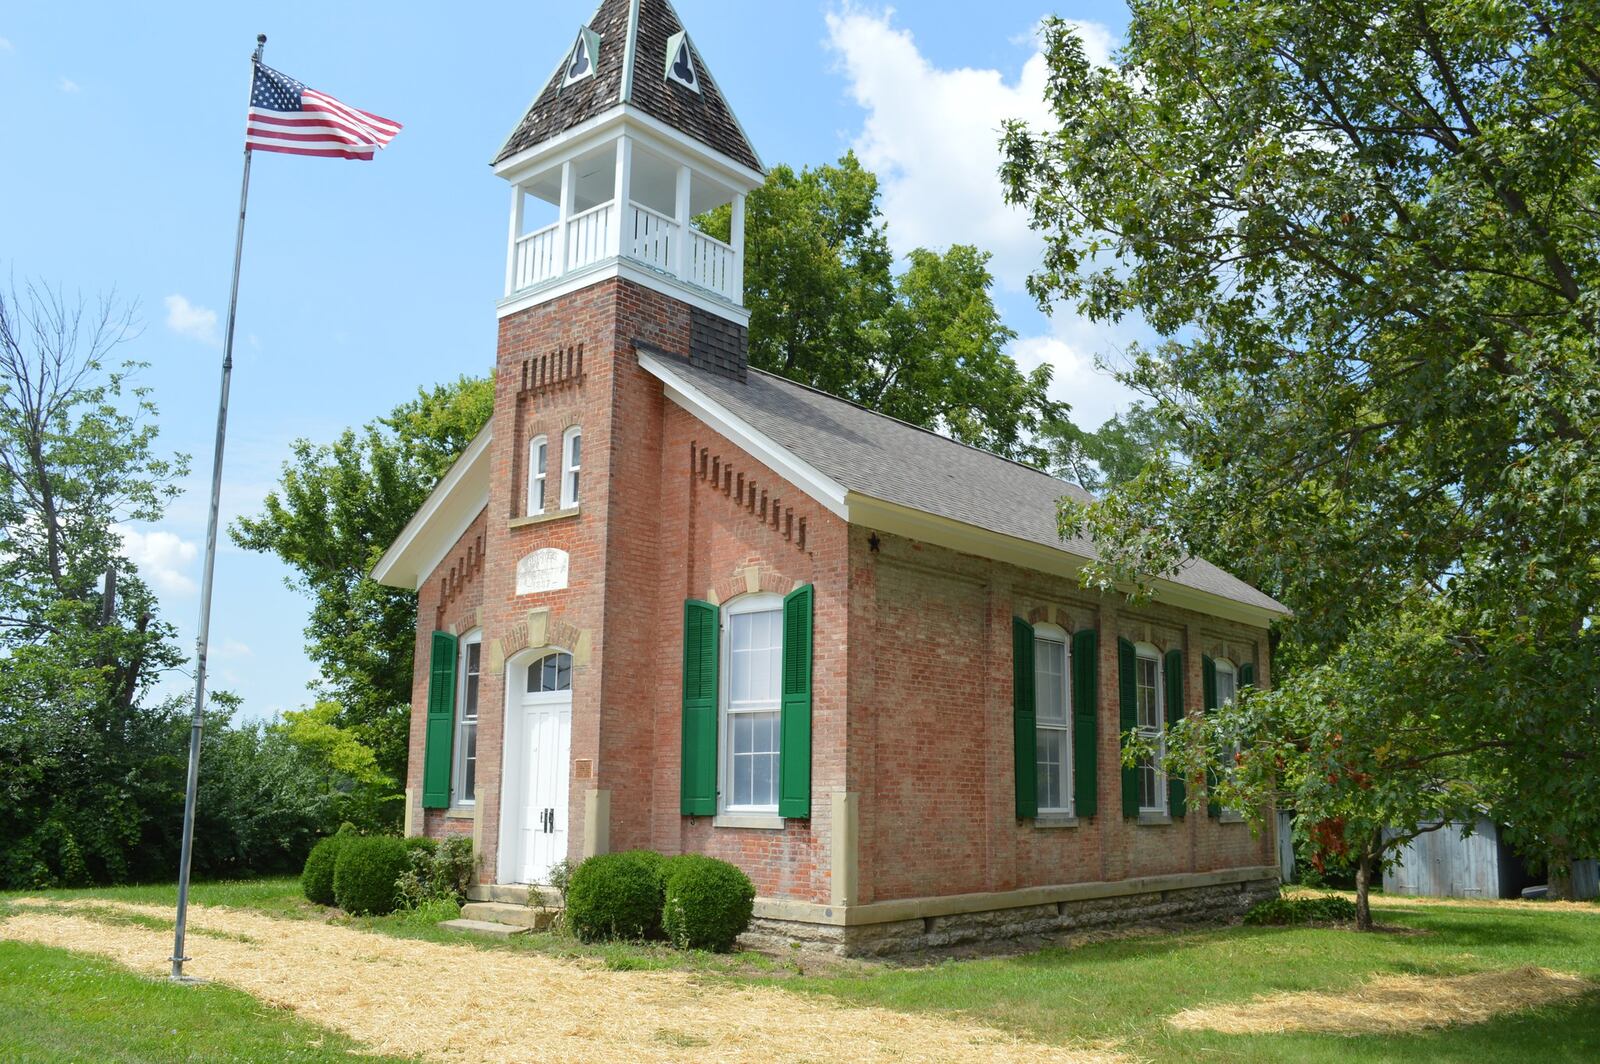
[[261, 42]]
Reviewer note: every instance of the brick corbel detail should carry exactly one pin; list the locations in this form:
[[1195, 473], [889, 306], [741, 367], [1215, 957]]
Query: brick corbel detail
[[719, 475], [461, 574]]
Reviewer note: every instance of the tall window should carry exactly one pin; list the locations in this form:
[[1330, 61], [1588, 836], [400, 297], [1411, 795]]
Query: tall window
[[538, 465], [571, 460], [1053, 706], [466, 766], [553, 673], [1152, 720], [1227, 689], [753, 653]]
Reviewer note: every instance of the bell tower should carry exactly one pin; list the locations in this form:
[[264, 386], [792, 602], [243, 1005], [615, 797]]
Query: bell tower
[[628, 178], [615, 169]]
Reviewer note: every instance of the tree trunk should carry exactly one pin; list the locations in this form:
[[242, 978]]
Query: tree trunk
[[1363, 892]]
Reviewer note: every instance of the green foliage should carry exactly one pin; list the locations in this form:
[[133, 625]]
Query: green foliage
[[615, 895], [349, 784], [336, 510], [707, 903], [439, 871], [316, 880], [827, 309], [366, 874], [560, 876], [1324, 909], [1113, 454], [1368, 234]]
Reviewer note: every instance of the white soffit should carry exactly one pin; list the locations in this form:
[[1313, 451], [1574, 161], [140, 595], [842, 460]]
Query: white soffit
[[443, 518]]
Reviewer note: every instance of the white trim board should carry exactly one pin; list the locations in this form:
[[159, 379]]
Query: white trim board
[[628, 270], [462, 494]]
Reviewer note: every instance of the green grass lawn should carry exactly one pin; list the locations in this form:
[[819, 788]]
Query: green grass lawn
[[1118, 991], [60, 1006]]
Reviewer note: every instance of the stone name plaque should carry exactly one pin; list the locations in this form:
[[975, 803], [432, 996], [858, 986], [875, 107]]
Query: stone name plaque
[[543, 570]]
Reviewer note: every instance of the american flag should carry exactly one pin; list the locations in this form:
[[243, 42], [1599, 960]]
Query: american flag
[[288, 117]]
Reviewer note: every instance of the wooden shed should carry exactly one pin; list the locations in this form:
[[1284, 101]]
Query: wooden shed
[[1446, 864]]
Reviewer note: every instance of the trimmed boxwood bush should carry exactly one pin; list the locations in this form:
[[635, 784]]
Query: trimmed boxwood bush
[[316, 880], [366, 876], [707, 903], [1325, 909], [615, 895]]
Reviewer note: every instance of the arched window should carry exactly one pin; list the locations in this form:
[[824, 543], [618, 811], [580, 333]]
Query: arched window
[[1053, 709], [1227, 681], [752, 635], [464, 774], [1152, 700], [538, 467], [550, 674], [571, 462]]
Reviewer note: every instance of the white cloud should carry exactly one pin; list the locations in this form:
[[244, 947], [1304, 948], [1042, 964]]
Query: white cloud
[[235, 649], [933, 136], [192, 320], [6, 46], [1074, 348], [68, 85], [163, 558]]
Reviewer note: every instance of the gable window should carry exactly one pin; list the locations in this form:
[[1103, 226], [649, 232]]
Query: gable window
[[752, 682], [538, 464], [571, 461], [465, 775], [580, 61], [1152, 720], [552, 674], [1053, 708], [680, 62]]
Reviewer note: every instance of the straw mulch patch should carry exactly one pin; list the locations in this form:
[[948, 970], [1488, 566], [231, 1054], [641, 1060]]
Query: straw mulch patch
[[1392, 1004], [448, 1002]]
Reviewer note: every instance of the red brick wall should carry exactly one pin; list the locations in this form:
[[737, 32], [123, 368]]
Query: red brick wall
[[931, 722]]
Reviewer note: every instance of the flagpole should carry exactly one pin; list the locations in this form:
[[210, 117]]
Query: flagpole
[[197, 724]]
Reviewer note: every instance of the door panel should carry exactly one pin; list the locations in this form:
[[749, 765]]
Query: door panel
[[547, 726]]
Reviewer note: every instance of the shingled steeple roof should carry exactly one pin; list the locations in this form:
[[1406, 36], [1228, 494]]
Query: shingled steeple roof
[[631, 69]]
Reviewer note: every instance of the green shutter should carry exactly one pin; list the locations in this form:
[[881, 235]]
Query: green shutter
[[1208, 682], [1177, 793], [437, 738], [1128, 692], [1085, 722], [1024, 720], [794, 749], [701, 633], [1247, 675]]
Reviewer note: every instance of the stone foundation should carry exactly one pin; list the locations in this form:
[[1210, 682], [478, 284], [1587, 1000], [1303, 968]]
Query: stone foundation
[[1110, 906]]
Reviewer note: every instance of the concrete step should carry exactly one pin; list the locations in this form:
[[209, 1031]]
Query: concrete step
[[514, 894], [505, 913], [484, 927]]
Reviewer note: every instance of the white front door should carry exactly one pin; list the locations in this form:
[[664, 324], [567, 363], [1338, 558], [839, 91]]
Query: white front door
[[547, 726], [538, 749]]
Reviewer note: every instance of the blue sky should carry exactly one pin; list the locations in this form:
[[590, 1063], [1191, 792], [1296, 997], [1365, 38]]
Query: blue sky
[[363, 281]]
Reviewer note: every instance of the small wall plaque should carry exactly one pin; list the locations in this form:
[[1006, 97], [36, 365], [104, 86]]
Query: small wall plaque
[[582, 768], [543, 570]]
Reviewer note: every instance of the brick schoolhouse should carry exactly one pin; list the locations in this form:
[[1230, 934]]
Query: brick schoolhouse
[[670, 601]]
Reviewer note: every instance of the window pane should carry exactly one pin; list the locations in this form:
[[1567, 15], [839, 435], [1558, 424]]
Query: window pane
[[576, 458], [1149, 785], [1050, 680], [469, 769], [1149, 699], [1052, 769], [1226, 686], [469, 705], [542, 454], [756, 659]]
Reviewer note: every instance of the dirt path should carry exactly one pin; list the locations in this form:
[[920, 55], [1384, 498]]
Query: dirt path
[[447, 1002]]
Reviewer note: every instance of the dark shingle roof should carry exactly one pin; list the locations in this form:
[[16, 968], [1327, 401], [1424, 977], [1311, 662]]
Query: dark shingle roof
[[880, 457], [705, 115]]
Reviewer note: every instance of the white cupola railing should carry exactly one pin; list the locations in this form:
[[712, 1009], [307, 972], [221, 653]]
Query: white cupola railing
[[615, 203]]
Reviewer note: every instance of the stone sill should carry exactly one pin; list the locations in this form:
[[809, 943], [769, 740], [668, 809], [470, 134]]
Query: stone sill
[[1050, 821], [758, 821], [460, 812], [1154, 820], [541, 519]]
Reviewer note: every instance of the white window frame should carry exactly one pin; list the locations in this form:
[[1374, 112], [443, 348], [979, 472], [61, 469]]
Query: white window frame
[[458, 760], [1050, 633], [1146, 652], [538, 476], [571, 440], [536, 666], [761, 602], [1223, 667]]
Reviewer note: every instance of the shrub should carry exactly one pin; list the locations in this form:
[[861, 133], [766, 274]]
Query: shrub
[[316, 879], [366, 876], [560, 876], [615, 895], [1324, 909], [707, 903], [437, 872]]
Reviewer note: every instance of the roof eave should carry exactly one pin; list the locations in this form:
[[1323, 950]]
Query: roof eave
[[443, 517]]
